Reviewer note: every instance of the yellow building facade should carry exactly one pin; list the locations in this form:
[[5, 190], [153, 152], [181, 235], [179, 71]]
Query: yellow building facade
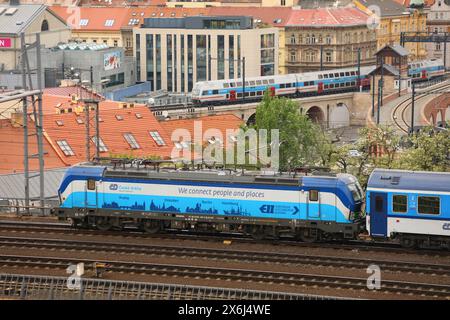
[[393, 19]]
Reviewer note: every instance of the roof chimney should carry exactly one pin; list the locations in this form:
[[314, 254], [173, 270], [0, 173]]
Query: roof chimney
[[14, 2]]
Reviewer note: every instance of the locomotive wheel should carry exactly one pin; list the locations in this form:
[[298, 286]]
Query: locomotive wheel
[[258, 233], [151, 226], [103, 224], [307, 236], [406, 242]]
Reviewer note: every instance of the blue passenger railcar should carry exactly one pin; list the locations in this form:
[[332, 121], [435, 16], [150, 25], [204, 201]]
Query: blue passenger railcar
[[310, 207], [413, 207]]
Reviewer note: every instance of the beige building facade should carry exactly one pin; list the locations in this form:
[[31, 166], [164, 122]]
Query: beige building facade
[[29, 19], [174, 54]]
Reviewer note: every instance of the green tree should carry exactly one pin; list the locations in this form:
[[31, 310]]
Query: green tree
[[297, 133], [430, 151]]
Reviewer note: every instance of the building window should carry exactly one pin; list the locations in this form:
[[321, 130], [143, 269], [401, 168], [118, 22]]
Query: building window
[[231, 56], [149, 64], [131, 141], [190, 65], [65, 147], [44, 25], [310, 56], [328, 56], [158, 61], [169, 62], [438, 46], [328, 39], [157, 138], [220, 57], [429, 205], [182, 62], [138, 59], [292, 38], [102, 147], [109, 23], [116, 43], [84, 22], [239, 54], [201, 57], [399, 203], [293, 56]]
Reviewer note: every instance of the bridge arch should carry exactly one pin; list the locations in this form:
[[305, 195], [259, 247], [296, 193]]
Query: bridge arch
[[251, 120], [316, 114], [339, 116]]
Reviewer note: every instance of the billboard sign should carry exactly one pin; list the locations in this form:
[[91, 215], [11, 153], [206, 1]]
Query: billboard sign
[[5, 43], [111, 60]]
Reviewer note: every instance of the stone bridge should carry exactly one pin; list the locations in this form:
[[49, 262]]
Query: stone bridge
[[437, 111], [331, 111]]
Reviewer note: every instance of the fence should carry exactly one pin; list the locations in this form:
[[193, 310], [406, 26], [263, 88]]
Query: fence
[[13, 286]]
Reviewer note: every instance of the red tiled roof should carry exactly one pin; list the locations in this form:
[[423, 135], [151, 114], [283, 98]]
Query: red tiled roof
[[96, 17], [327, 17], [138, 121], [69, 91], [275, 16], [11, 146]]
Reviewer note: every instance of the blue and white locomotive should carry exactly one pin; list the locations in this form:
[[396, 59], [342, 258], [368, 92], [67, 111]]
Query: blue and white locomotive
[[413, 207], [307, 207]]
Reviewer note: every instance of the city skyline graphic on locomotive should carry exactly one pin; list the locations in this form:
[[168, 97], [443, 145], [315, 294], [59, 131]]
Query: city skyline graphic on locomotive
[[302, 84], [308, 207], [410, 207]]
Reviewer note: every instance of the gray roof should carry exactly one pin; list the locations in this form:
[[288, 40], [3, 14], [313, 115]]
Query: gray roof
[[12, 185], [17, 22], [387, 7], [409, 180], [400, 50], [392, 70]]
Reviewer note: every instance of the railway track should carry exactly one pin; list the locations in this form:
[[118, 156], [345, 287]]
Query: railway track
[[240, 275], [398, 114], [360, 245], [225, 255]]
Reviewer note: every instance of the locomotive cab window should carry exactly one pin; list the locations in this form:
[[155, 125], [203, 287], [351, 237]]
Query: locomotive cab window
[[313, 195], [399, 203], [429, 205], [91, 184]]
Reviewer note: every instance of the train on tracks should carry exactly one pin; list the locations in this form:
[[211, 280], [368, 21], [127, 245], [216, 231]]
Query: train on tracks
[[306, 84], [413, 207]]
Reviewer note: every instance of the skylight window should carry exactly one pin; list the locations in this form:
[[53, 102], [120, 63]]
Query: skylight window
[[119, 117], [131, 141], [157, 138], [59, 123], [65, 147], [84, 22], [102, 146], [80, 121], [10, 11], [109, 23], [138, 116]]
